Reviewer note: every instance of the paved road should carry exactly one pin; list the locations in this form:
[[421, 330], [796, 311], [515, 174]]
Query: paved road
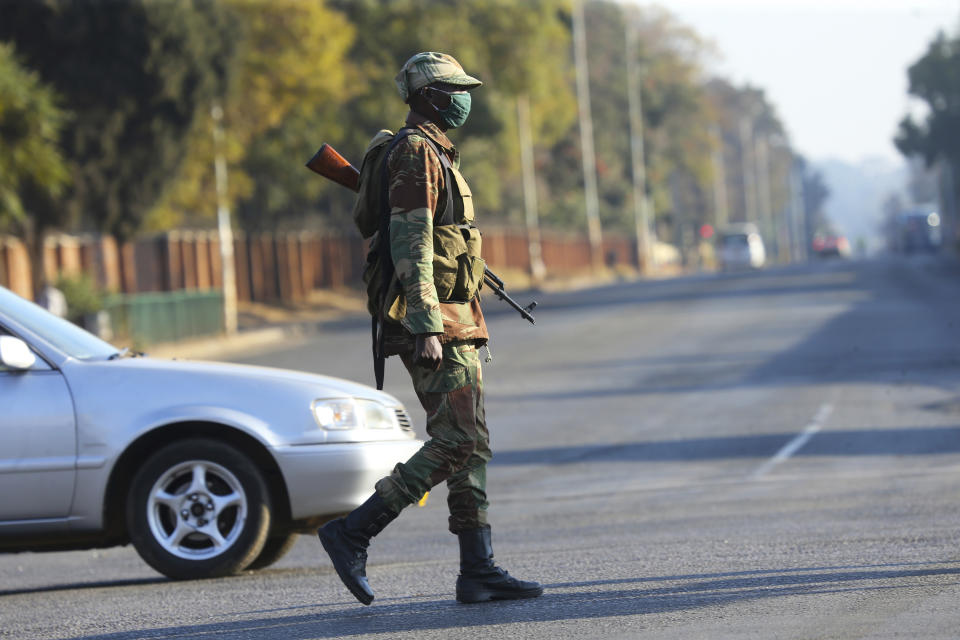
[[768, 455]]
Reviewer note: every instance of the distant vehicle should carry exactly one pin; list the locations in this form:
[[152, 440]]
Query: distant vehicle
[[916, 231], [829, 245], [740, 248], [207, 468]]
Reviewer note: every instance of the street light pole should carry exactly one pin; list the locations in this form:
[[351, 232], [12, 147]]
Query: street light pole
[[747, 169], [224, 229], [721, 207], [586, 136], [768, 223], [641, 204], [537, 268]]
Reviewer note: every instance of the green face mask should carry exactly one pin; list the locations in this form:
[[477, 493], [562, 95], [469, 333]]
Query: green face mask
[[456, 114]]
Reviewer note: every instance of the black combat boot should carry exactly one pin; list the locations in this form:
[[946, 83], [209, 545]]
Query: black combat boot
[[346, 541], [481, 580]]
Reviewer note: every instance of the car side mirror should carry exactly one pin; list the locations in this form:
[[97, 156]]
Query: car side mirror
[[15, 354]]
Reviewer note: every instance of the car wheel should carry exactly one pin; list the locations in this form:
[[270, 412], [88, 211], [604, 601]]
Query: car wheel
[[198, 509], [276, 547]]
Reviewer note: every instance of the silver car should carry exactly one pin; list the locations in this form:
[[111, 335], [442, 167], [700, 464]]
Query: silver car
[[208, 469]]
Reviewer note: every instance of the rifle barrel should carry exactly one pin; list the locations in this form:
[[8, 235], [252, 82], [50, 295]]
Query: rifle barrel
[[503, 295]]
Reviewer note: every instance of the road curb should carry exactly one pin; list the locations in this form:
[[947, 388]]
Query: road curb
[[224, 346]]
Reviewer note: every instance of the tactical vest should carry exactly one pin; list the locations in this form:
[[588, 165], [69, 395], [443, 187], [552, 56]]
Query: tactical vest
[[457, 265]]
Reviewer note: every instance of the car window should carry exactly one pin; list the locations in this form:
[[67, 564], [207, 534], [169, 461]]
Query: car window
[[62, 334], [736, 241]]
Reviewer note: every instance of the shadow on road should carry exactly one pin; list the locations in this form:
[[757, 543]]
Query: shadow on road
[[558, 603], [103, 584]]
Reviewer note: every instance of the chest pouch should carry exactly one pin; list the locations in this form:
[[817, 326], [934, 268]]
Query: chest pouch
[[457, 265]]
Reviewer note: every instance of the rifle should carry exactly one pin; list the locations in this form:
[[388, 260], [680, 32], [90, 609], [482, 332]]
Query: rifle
[[496, 285], [333, 166]]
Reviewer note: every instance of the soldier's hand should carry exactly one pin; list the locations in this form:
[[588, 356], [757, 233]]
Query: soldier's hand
[[428, 352]]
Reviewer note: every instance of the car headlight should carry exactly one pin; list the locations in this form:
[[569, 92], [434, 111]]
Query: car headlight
[[352, 413]]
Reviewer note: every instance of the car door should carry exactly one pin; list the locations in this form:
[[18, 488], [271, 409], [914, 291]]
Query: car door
[[38, 443]]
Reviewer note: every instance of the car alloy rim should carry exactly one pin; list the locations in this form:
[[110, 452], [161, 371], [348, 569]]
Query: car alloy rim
[[196, 510]]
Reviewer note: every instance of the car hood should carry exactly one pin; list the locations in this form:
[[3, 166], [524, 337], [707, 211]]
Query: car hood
[[225, 372]]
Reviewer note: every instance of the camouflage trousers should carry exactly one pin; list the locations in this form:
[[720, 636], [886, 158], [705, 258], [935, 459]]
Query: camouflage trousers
[[459, 446]]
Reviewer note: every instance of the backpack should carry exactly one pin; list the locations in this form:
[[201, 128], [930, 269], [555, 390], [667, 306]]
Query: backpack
[[371, 213]]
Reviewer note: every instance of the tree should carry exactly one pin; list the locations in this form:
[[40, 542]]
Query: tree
[[815, 195], [30, 159], [757, 160], [292, 75], [30, 122], [674, 114], [935, 79], [134, 74]]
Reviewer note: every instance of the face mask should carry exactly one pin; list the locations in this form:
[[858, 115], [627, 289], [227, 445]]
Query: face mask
[[456, 113]]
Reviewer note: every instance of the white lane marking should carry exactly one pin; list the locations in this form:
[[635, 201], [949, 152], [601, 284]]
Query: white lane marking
[[794, 445]]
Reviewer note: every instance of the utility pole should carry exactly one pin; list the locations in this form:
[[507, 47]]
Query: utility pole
[[768, 224], [641, 204], [721, 211], [747, 169], [586, 137], [537, 268], [801, 235], [224, 229]]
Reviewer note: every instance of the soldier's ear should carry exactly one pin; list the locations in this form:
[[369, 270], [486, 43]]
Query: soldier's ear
[[416, 97]]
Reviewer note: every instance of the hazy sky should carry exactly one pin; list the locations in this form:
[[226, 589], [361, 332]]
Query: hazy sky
[[834, 69]]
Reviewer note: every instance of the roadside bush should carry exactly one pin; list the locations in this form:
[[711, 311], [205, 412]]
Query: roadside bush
[[83, 297]]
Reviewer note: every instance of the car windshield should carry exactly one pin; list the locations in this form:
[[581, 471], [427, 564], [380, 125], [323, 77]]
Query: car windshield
[[735, 241], [62, 334]]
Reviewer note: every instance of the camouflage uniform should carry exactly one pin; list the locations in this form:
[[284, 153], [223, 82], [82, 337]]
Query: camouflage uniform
[[436, 254], [458, 449]]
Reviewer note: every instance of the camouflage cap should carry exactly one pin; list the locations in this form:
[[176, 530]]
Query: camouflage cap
[[429, 66]]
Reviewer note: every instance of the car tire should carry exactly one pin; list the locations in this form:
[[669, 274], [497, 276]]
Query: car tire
[[198, 508], [276, 547]]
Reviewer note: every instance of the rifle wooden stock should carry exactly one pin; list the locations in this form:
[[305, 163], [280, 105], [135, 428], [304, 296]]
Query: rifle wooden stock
[[333, 166]]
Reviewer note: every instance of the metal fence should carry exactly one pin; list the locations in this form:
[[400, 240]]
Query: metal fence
[[150, 318]]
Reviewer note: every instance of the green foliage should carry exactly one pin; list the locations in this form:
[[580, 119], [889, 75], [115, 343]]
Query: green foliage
[[291, 78], [83, 297], [30, 123], [744, 121], [935, 79], [516, 48], [134, 74], [140, 78], [671, 96]]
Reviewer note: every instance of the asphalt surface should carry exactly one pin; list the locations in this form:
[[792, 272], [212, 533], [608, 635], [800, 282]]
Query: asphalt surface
[[762, 455]]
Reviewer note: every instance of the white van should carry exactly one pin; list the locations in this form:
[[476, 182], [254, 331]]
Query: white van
[[740, 247]]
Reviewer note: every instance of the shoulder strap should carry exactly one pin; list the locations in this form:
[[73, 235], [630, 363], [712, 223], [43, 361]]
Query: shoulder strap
[[448, 178], [444, 162]]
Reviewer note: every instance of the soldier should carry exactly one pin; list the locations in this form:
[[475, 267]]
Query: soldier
[[436, 253]]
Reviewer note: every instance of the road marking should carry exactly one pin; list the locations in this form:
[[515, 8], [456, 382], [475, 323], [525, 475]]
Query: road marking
[[794, 445]]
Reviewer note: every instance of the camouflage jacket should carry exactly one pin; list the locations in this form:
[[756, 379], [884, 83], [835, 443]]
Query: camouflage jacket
[[418, 197]]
